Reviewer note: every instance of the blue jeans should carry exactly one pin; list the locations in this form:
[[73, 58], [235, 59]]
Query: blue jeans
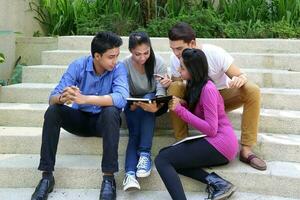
[[141, 125]]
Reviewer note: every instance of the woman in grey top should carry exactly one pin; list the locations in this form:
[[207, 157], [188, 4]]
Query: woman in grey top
[[140, 117]]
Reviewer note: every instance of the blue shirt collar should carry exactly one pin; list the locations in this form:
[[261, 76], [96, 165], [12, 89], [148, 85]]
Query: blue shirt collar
[[90, 64]]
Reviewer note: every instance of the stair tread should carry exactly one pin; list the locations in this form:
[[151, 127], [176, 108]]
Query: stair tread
[[30, 161], [286, 91], [267, 112], [88, 194]]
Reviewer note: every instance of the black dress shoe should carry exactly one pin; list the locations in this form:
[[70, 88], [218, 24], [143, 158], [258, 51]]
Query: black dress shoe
[[44, 187], [108, 190]]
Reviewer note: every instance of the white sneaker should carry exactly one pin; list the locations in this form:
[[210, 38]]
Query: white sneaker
[[130, 183]]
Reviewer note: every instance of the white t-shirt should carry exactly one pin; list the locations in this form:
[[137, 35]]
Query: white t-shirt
[[218, 63]]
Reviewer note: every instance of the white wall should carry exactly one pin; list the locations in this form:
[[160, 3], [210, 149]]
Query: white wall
[[7, 47], [16, 16]]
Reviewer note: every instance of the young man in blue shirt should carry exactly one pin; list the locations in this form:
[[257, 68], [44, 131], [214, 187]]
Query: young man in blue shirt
[[97, 87]]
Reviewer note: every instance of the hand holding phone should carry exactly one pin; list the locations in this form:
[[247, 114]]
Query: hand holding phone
[[158, 77]]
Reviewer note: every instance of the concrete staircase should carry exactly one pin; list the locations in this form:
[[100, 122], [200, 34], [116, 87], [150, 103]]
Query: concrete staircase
[[273, 64]]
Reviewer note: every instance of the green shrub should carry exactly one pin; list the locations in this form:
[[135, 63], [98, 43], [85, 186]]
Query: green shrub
[[56, 16], [288, 10], [2, 58], [112, 22], [244, 10], [16, 76], [205, 22], [283, 29], [119, 16], [232, 18], [247, 29]]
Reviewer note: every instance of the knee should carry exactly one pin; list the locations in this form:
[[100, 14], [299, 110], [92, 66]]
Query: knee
[[251, 91], [177, 88], [159, 161], [52, 111], [111, 113]]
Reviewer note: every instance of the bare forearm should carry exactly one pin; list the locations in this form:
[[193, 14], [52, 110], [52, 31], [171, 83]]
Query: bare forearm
[[105, 100]]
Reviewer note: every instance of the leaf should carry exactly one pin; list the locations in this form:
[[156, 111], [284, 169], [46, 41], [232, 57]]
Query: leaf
[[2, 58]]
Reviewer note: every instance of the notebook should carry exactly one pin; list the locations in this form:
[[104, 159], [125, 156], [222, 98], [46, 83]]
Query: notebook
[[188, 139], [160, 99]]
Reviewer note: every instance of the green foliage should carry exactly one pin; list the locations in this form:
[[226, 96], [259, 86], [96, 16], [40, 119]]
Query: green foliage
[[112, 22], [2, 58], [232, 18], [245, 10], [56, 16], [16, 76], [118, 16], [205, 22], [288, 10], [247, 29], [283, 29]]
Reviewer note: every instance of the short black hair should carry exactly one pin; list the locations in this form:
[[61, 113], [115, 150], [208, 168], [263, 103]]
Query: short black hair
[[104, 41], [182, 31]]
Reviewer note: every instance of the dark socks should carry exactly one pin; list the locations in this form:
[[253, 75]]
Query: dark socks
[[47, 175], [108, 177]]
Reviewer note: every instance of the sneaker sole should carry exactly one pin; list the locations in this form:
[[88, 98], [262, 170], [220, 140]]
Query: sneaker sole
[[131, 189], [227, 195], [143, 175]]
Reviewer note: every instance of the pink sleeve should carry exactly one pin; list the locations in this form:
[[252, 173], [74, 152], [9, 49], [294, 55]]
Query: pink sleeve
[[208, 125]]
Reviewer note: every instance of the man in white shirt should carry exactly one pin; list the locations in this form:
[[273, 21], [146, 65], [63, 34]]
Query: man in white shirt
[[233, 85]]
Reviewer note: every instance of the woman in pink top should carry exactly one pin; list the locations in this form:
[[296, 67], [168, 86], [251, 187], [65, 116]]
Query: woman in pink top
[[203, 108]]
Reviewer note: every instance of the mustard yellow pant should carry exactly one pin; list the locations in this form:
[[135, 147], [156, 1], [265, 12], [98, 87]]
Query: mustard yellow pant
[[247, 96]]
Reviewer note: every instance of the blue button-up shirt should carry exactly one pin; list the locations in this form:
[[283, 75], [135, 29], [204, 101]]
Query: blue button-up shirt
[[81, 73]]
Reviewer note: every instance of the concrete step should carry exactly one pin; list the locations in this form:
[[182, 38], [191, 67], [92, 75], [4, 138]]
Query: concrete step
[[271, 121], [245, 60], [90, 194], [73, 171], [262, 77], [43, 73], [27, 140], [273, 98], [162, 44]]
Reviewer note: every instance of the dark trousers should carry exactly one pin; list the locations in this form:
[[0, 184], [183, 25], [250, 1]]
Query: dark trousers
[[188, 159], [105, 124]]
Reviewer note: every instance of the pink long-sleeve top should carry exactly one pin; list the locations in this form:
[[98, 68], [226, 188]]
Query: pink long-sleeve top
[[209, 117]]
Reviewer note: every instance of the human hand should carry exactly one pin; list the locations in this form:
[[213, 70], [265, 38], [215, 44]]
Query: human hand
[[71, 94], [237, 81], [165, 81], [149, 107], [174, 102]]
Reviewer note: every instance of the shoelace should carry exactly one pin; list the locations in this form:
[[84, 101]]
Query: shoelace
[[143, 162], [129, 178], [209, 189]]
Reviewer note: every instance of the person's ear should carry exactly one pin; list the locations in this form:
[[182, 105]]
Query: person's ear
[[97, 56], [193, 44]]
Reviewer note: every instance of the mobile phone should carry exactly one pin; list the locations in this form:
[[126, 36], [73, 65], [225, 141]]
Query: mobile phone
[[158, 76]]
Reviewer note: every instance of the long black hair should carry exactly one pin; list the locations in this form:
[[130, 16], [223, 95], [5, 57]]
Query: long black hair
[[196, 63], [138, 38]]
